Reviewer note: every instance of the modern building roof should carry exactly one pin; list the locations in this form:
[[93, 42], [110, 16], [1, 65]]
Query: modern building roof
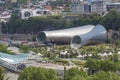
[[14, 59]]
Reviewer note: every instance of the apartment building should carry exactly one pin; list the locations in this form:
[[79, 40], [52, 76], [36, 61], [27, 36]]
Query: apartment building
[[80, 8], [115, 6], [83, 7], [98, 7]]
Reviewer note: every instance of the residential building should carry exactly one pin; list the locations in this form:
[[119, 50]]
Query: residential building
[[27, 13], [84, 7], [80, 8], [98, 7], [4, 16], [115, 6]]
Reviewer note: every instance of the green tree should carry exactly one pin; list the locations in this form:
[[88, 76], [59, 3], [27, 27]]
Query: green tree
[[2, 74], [108, 65], [104, 76], [78, 77], [98, 65], [33, 73], [75, 74], [3, 48], [115, 57], [111, 20], [93, 65]]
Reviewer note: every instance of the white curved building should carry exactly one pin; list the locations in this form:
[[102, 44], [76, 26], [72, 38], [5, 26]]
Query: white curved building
[[74, 36], [98, 33], [63, 35]]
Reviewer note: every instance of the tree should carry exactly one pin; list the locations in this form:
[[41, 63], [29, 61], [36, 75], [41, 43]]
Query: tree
[[115, 57], [111, 20], [75, 74], [78, 77], [3, 48], [2, 74], [52, 76], [104, 76], [98, 65], [93, 65], [32, 73], [35, 24]]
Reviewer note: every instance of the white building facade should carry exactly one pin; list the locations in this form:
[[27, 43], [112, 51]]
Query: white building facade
[[82, 7], [115, 6], [79, 8], [98, 7], [27, 13]]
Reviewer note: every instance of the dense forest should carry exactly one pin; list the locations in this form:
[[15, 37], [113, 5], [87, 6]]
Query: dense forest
[[36, 24]]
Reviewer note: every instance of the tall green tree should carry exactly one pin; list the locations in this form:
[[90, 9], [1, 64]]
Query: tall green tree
[[33, 73], [104, 76], [111, 20], [75, 74], [94, 66]]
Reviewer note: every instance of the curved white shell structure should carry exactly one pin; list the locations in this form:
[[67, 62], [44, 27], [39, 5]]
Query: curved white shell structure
[[98, 33], [63, 35], [75, 36]]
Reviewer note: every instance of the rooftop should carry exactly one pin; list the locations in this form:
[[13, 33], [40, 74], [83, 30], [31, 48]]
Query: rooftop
[[14, 59]]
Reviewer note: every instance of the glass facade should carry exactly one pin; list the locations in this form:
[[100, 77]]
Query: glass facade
[[13, 62], [14, 59]]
